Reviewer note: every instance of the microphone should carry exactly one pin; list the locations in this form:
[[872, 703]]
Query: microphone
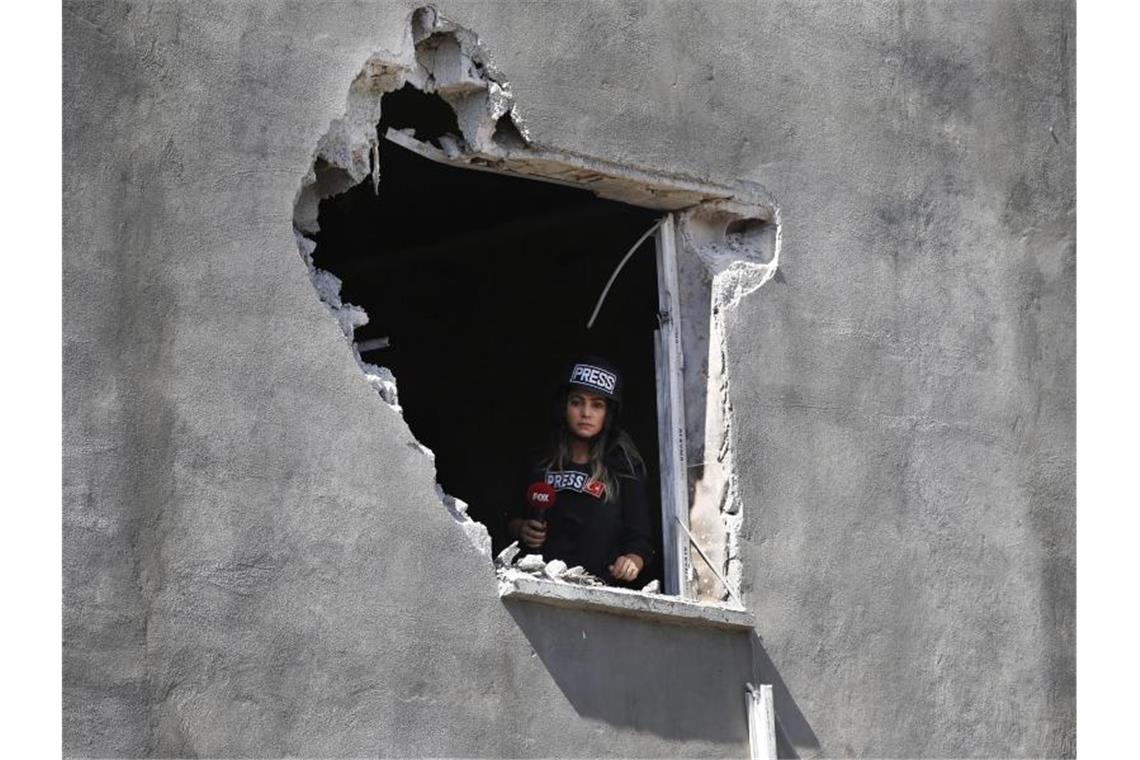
[[539, 498]]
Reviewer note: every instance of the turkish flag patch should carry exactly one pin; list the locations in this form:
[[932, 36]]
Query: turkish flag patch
[[595, 488]]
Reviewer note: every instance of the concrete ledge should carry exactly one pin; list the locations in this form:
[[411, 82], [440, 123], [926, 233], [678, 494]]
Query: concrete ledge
[[625, 602]]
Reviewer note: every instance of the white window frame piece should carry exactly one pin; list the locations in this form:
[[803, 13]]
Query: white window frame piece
[[760, 706], [671, 416], [670, 357]]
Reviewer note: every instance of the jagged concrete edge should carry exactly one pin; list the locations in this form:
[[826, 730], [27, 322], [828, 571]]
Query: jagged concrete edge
[[728, 297], [350, 145], [733, 278]]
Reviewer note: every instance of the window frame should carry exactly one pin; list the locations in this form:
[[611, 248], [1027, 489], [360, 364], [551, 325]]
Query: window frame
[[671, 442], [671, 435]]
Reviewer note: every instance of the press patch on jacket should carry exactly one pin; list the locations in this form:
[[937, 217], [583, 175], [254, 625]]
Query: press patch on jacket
[[572, 480]]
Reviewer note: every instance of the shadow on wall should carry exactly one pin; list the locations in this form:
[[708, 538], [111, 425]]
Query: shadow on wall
[[793, 734], [678, 683]]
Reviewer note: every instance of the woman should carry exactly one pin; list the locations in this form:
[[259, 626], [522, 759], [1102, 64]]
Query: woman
[[600, 516]]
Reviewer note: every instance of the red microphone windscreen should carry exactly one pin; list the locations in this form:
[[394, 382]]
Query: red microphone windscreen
[[540, 496]]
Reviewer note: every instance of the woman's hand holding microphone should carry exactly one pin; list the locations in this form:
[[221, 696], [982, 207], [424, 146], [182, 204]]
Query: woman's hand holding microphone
[[533, 533]]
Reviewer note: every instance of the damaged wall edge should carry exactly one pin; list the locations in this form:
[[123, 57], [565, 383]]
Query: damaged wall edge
[[729, 242], [722, 257]]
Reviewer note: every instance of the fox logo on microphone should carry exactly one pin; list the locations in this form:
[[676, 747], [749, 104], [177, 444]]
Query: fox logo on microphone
[[539, 498], [540, 495]]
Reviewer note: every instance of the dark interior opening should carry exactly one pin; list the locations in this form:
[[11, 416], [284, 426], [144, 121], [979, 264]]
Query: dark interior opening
[[428, 115], [483, 283]]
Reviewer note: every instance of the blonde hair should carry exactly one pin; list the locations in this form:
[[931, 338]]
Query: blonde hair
[[612, 444]]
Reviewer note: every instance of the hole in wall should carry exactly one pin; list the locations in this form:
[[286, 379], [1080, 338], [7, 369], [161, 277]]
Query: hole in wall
[[461, 242], [507, 135], [477, 287], [427, 115]]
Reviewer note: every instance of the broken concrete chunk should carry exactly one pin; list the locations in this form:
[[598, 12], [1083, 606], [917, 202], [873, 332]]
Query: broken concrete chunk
[[328, 286], [384, 382], [653, 587], [450, 145], [307, 247], [554, 568], [456, 506], [478, 535], [451, 66], [531, 563], [578, 574], [507, 556], [499, 100]]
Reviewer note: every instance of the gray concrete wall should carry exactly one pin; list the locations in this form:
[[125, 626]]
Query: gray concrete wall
[[910, 384], [255, 561]]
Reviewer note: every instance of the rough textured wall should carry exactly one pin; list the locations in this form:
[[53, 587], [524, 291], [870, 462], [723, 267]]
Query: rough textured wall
[[255, 561], [908, 389]]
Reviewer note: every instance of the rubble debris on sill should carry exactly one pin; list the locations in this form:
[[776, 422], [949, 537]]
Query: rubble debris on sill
[[531, 563], [507, 556], [554, 569], [535, 566], [578, 575]]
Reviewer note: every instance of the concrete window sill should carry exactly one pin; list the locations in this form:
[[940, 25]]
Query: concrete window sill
[[619, 601]]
